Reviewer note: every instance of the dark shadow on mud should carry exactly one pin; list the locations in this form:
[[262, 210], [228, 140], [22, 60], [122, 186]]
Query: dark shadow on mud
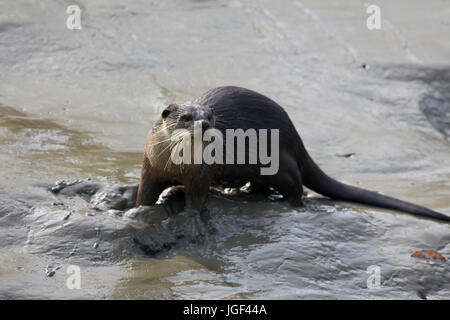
[[434, 104]]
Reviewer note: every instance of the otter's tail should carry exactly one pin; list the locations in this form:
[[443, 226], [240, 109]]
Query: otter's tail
[[315, 179]]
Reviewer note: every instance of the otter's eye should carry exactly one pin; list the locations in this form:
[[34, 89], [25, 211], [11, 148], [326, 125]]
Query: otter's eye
[[165, 113], [186, 117]]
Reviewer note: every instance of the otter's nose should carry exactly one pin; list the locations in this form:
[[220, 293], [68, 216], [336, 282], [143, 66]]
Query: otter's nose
[[203, 125]]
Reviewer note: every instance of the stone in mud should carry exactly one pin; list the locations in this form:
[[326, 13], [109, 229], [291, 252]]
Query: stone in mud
[[107, 200], [71, 188], [152, 242], [114, 197], [133, 213], [102, 197], [346, 155], [148, 244], [50, 270], [189, 225]]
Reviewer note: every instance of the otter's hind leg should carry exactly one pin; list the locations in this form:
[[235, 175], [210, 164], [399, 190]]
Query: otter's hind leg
[[259, 188], [288, 180]]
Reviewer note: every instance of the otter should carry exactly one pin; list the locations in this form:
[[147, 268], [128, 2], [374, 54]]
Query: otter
[[232, 107]]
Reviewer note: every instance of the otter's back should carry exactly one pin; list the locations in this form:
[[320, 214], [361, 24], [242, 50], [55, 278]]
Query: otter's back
[[242, 108]]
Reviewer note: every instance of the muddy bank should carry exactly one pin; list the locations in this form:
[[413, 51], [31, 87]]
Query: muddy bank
[[151, 253]]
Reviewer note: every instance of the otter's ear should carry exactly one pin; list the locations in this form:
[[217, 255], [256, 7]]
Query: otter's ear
[[167, 111]]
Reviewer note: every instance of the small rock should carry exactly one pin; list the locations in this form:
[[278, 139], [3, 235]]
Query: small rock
[[346, 155], [50, 270]]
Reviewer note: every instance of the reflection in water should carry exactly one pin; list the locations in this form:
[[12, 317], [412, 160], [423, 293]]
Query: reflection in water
[[31, 146], [174, 277]]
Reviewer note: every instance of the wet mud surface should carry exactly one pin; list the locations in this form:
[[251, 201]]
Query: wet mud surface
[[155, 252]]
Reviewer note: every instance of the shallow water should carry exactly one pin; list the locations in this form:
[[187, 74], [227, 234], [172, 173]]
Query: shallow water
[[78, 105]]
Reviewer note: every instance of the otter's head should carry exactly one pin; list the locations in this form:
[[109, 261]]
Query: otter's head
[[181, 121], [188, 116]]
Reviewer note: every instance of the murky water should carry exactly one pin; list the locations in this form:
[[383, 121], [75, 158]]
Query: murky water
[[77, 104]]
